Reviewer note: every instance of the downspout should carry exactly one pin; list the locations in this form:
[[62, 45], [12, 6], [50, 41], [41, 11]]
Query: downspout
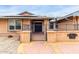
[[77, 21]]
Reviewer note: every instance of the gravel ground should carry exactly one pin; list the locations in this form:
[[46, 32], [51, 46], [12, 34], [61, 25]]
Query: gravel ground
[[8, 45]]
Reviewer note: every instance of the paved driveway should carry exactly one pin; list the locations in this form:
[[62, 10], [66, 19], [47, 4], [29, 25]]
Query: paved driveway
[[8, 45]]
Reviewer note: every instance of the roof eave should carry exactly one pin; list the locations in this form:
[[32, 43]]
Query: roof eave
[[27, 17]]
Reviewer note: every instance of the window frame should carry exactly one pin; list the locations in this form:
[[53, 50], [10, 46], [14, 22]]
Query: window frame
[[50, 25], [9, 20]]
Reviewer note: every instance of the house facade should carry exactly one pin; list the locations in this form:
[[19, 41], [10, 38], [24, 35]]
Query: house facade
[[29, 27], [68, 24]]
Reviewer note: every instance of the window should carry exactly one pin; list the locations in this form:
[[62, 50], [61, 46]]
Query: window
[[11, 24], [51, 25], [18, 24], [14, 24], [56, 26]]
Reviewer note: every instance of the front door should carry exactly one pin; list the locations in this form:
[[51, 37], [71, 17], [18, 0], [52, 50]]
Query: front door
[[38, 27]]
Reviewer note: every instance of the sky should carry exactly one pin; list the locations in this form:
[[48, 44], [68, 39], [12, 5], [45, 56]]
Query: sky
[[44, 10]]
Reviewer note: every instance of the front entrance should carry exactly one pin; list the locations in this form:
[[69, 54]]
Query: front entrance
[[37, 31], [38, 27]]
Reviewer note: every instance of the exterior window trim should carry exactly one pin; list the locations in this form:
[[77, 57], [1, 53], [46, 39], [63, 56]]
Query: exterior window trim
[[54, 26], [50, 25], [14, 25]]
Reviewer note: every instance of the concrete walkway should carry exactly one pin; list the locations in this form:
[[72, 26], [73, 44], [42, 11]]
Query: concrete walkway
[[48, 48], [35, 47], [66, 47]]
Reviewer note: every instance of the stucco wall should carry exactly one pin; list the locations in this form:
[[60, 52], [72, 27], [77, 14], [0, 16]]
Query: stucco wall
[[24, 37], [51, 36], [68, 24], [61, 36], [4, 29], [3, 26], [26, 21], [25, 34]]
